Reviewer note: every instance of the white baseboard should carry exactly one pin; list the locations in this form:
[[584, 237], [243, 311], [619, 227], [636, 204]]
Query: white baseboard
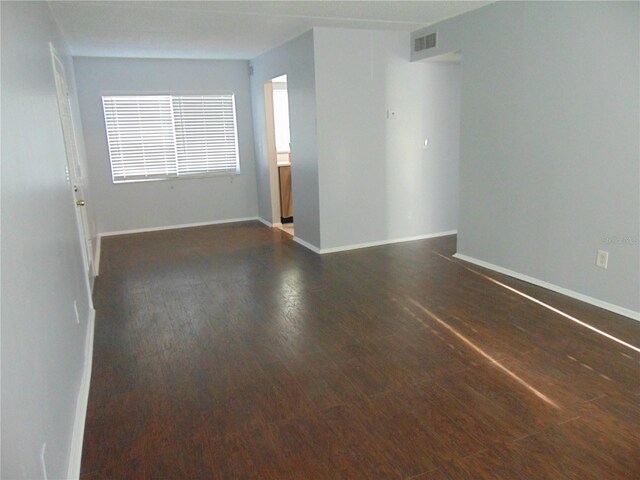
[[549, 286], [323, 251], [387, 242], [174, 227], [82, 402], [267, 223], [313, 248], [96, 256]]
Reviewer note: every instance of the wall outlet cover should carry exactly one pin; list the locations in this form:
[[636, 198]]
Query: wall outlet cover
[[602, 259]]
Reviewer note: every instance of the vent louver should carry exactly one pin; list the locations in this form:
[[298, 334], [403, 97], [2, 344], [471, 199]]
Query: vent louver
[[425, 42]]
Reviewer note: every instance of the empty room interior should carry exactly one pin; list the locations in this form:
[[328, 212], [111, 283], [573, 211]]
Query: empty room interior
[[320, 240]]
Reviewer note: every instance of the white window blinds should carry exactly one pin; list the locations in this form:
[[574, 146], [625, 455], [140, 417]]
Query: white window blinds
[[205, 129], [161, 136]]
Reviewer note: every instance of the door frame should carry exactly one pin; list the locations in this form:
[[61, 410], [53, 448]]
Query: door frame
[[272, 154]]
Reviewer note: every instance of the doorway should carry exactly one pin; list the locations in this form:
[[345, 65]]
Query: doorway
[[279, 146]]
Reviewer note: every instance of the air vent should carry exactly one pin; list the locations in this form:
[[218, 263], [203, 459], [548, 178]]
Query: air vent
[[425, 42]]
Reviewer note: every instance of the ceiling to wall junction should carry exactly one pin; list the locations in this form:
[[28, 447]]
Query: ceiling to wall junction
[[228, 29]]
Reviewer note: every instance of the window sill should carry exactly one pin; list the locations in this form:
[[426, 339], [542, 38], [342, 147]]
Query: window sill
[[180, 178]]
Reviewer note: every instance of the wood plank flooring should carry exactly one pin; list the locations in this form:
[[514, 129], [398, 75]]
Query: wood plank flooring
[[230, 352]]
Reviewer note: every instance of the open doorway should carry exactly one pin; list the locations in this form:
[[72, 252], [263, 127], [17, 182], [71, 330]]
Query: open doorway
[[279, 144]]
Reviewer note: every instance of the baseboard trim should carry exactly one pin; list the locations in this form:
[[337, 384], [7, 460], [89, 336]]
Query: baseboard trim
[[267, 223], [96, 256], [550, 286], [323, 251], [175, 227], [313, 248], [387, 242], [82, 402]]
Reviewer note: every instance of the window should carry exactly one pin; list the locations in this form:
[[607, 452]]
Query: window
[[154, 137]]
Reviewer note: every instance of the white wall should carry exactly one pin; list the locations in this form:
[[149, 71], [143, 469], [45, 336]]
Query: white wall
[[42, 271], [164, 203], [295, 59], [377, 182], [550, 167]]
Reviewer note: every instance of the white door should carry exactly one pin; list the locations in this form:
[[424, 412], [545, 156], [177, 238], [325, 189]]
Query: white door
[[74, 170]]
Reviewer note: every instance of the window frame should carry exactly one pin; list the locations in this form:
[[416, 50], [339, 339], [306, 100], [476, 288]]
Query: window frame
[[169, 93]]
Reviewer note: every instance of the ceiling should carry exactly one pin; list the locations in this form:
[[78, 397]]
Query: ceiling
[[228, 29]]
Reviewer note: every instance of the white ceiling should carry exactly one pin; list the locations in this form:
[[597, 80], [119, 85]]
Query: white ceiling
[[228, 29]]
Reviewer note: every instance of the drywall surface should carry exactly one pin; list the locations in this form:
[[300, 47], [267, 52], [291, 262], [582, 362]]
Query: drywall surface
[[378, 182], [550, 149], [295, 59], [130, 206], [42, 270]]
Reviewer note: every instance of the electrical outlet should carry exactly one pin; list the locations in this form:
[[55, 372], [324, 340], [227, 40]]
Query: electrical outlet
[[602, 259], [392, 115]]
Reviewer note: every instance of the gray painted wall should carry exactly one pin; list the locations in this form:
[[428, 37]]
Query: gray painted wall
[[164, 203], [377, 181], [550, 162], [358, 177], [42, 271], [295, 59]]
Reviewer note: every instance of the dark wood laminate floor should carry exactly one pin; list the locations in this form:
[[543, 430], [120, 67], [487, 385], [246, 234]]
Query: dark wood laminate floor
[[232, 352]]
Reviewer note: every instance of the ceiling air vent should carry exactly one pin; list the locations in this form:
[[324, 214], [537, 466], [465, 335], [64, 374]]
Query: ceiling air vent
[[425, 42]]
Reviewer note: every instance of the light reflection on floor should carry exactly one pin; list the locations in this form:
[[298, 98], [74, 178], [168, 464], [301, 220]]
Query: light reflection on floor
[[535, 300], [484, 354]]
